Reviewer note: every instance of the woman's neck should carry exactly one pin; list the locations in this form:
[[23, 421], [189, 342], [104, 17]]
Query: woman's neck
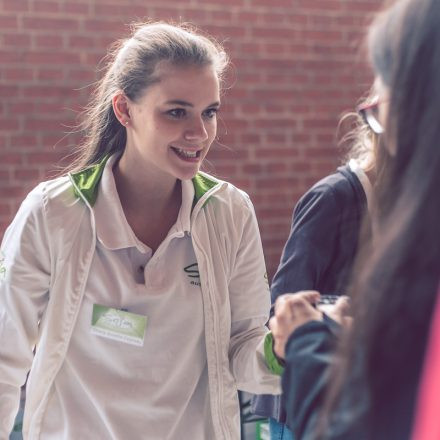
[[144, 190], [371, 174], [151, 204]]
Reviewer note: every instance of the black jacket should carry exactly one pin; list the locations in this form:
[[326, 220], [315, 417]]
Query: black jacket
[[323, 240], [320, 250]]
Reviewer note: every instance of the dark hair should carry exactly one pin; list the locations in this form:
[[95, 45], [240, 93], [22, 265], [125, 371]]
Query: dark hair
[[396, 277], [131, 69]]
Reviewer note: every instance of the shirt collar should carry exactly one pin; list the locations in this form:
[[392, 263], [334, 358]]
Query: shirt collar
[[184, 217], [112, 228], [365, 182]]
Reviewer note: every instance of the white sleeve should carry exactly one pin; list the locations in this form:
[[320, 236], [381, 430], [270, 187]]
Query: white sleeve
[[250, 306], [24, 286]]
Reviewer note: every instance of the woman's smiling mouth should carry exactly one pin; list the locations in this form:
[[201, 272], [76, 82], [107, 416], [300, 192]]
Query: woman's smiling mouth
[[188, 155]]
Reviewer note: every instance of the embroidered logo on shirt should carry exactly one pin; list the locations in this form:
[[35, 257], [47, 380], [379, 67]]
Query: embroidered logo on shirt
[[192, 271]]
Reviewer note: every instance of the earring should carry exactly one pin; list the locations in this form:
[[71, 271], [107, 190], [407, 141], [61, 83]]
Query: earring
[[126, 122]]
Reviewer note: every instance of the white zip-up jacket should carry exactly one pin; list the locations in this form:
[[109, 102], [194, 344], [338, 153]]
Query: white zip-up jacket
[[46, 256]]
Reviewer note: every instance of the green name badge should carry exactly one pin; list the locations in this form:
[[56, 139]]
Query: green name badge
[[118, 325]]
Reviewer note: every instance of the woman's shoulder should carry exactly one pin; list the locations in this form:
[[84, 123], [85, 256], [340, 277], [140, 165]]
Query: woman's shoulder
[[341, 178], [225, 191], [51, 205], [342, 185], [226, 203], [53, 197], [55, 186], [39, 193]]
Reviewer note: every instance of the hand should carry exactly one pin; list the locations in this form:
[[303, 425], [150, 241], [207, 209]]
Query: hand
[[292, 311], [339, 312]]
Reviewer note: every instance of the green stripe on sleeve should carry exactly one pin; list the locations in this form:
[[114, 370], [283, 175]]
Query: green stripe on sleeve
[[271, 360]]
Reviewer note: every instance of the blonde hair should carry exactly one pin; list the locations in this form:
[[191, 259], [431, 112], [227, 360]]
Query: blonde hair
[[359, 143]]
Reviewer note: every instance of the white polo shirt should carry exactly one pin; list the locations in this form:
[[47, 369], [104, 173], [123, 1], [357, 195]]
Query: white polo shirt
[[108, 389]]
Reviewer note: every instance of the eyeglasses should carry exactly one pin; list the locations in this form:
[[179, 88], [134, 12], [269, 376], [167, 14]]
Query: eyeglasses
[[370, 114]]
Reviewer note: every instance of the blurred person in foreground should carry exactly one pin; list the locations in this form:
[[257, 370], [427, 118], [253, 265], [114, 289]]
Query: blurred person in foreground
[[361, 381]]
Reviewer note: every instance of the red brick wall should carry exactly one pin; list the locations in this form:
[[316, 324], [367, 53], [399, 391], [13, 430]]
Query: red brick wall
[[297, 67]]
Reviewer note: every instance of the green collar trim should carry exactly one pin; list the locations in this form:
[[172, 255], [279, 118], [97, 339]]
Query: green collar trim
[[202, 184], [87, 182]]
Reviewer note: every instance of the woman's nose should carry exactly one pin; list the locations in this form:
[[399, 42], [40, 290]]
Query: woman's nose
[[196, 131]]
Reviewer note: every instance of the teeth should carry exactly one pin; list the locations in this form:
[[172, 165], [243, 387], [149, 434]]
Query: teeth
[[186, 153]]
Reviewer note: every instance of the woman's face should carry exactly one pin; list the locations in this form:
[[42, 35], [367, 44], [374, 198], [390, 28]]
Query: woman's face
[[172, 126], [375, 111], [383, 101], [383, 94]]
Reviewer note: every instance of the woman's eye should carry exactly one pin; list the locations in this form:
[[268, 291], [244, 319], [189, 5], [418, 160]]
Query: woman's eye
[[211, 112], [177, 113]]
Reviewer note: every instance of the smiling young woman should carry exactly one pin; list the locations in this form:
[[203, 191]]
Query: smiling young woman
[[170, 129], [140, 279]]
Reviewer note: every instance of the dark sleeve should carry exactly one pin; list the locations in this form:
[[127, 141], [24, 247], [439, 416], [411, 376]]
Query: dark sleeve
[[309, 352], [306, 256], [309, 249]]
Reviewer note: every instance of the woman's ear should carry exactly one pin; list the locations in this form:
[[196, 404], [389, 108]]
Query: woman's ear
[[121, 108]]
